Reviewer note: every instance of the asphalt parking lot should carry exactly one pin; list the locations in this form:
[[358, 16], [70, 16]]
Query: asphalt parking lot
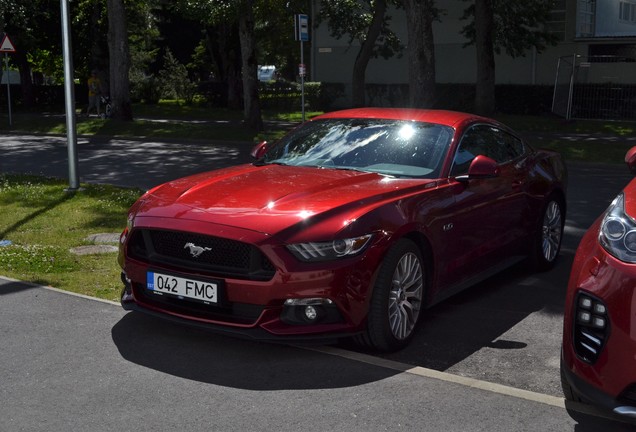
[[80, 364]]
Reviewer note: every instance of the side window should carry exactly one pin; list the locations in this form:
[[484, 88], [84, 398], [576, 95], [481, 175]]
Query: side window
[[515, 146], [473, 143], [488, 141]]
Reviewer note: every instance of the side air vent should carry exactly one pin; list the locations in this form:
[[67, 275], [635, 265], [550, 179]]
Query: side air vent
[[591, 327]]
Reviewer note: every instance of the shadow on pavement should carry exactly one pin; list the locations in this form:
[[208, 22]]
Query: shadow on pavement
[[209, 358], [10, 287]]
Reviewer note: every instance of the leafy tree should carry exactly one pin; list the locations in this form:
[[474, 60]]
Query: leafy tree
[[222, 18], [29, 23], [251, 103], [90, 38], [174, 80], [365, 21], [420, 15], [274, 26], [497, 25]]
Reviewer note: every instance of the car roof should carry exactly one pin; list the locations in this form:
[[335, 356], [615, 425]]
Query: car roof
[[448, 118]]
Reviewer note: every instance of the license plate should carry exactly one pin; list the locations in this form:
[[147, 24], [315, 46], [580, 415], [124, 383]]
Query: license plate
[[204, 291]]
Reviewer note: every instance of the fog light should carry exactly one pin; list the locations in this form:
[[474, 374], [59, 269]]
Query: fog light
[[600, 308], [310, 313], [599, 322], [585, 302], [585, 317]]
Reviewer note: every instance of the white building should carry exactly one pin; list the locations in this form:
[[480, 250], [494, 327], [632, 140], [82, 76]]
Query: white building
[[584, 28]]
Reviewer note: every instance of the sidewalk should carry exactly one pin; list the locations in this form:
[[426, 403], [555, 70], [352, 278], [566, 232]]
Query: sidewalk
[[122, 162]]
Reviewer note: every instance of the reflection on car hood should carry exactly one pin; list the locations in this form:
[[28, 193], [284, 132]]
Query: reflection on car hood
[[272, 197]]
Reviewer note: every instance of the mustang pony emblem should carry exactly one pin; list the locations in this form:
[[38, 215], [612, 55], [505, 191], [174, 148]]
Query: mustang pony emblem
[[195, 250]]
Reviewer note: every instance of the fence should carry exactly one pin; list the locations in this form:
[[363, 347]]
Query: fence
[[595, 87]]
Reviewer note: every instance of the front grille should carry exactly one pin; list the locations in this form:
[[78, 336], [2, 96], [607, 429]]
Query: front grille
[[192, 252]]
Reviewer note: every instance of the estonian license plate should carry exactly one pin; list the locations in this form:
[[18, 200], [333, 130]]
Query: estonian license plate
[[183, 288]]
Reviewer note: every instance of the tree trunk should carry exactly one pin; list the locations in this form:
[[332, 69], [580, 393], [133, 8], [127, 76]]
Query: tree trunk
[[225, 49], [251, 104], [98, 56], [420, 14], [119, 61], [366, 51], [26, 83], [485, 84]]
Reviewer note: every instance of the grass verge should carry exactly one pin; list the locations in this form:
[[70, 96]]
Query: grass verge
[[42, 222]]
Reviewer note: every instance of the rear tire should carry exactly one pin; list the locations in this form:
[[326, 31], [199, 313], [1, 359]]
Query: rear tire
[[549, 235], [397, 298]]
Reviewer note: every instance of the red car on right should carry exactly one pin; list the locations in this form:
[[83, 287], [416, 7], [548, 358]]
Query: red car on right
[[598, 360]]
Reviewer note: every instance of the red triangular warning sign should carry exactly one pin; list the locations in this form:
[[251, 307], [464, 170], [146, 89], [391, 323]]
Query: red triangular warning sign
[[6, 45]]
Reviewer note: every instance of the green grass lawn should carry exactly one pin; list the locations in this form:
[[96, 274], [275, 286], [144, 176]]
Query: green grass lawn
[[167, 120], [43, 222]]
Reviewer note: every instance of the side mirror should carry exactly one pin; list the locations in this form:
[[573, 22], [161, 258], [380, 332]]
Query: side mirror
[[259, 150], [630, 159], [481, 167]]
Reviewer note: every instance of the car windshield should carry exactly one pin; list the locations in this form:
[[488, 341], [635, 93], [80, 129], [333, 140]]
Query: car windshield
[[389, 147]]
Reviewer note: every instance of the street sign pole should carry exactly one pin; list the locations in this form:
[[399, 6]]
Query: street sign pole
[[301, 24], [6, 62], [6, 46], [302, 80]]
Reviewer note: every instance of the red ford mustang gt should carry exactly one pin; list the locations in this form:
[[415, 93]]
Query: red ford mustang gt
[[350, 225]]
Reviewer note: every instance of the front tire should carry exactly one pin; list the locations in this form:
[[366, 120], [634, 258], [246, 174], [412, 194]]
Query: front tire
[[397, 298]]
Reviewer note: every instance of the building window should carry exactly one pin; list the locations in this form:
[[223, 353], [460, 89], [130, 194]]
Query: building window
[[556, 22], [627, 12], [586, 11]]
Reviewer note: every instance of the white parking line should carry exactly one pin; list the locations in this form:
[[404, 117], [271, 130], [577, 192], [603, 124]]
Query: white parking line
[[443, 376], [558, 402]]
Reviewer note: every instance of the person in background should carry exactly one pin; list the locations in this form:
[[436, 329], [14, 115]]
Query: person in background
[[94, 93]]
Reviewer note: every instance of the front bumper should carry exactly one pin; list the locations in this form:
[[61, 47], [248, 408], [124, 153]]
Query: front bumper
[[593, 395], [254, 322], [608, 379], [254, 333]]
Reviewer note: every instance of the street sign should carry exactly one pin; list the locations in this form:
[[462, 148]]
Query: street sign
[[6, 45], [302, 27]]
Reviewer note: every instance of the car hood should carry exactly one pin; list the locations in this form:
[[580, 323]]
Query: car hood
[[270, 198]]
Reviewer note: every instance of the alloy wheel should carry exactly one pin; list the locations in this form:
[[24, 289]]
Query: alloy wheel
[[405, 296], [552, 231]]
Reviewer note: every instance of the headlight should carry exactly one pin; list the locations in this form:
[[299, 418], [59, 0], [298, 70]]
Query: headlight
[[618, 232], [325, 251]]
